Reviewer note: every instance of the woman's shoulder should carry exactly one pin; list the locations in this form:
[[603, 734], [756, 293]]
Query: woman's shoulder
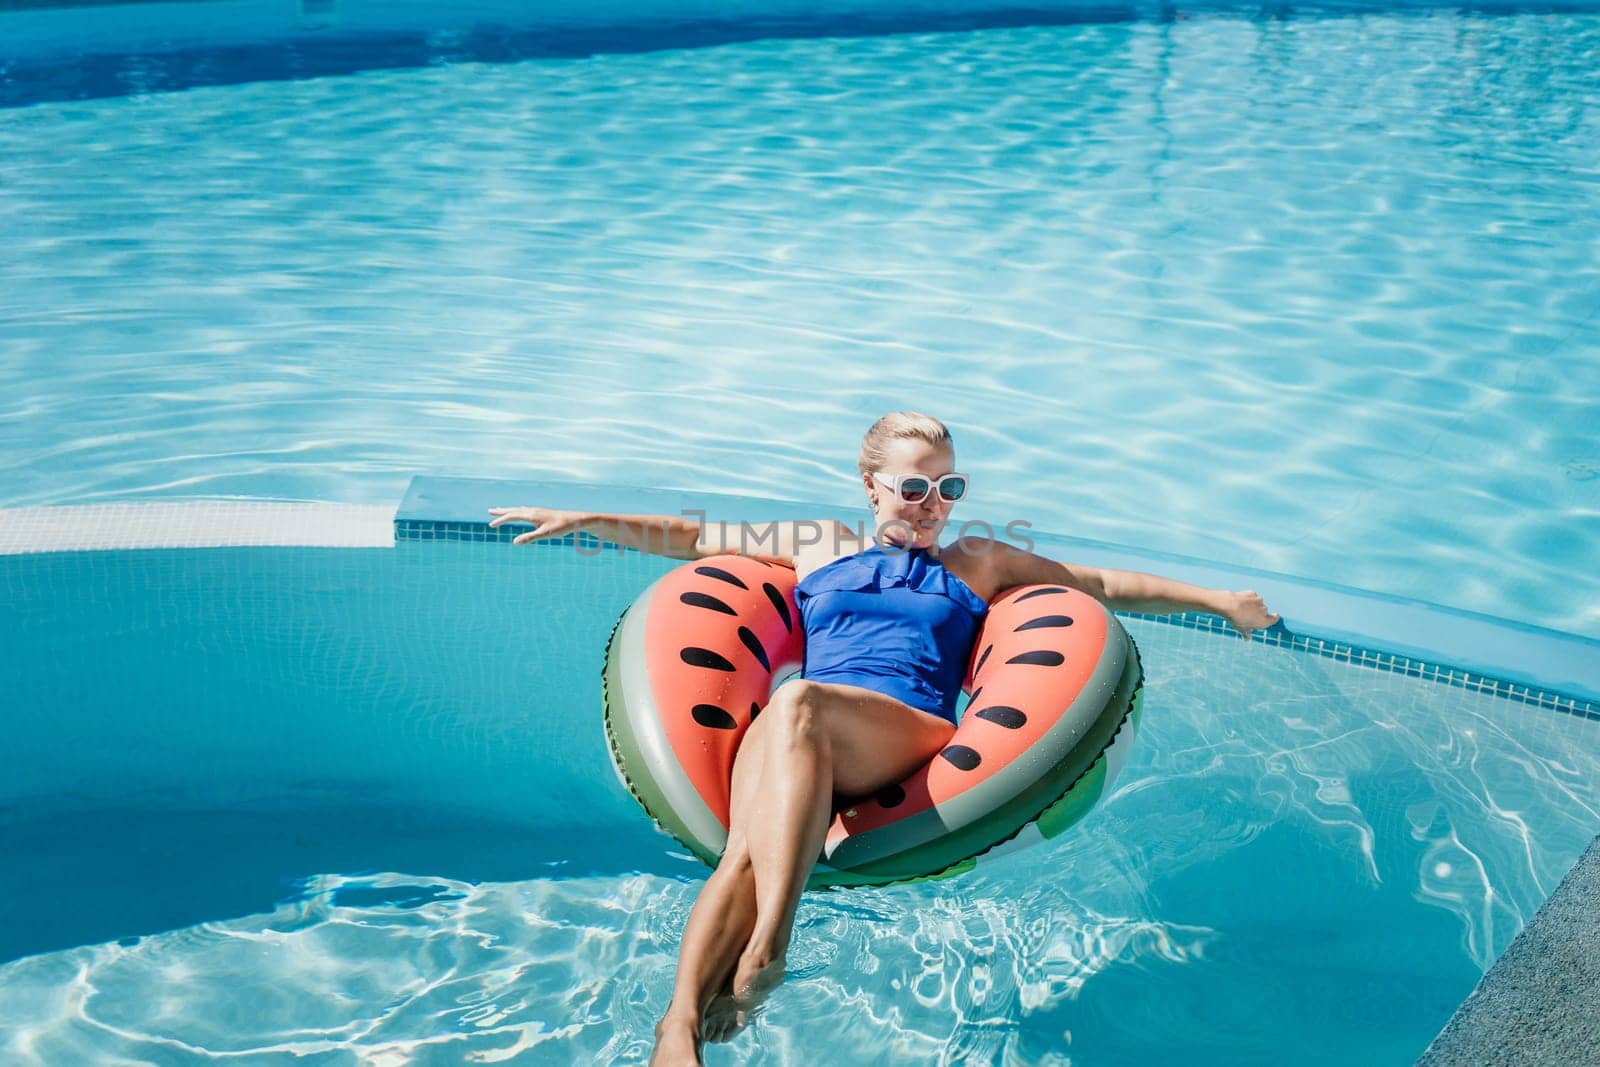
[[837, 542], [972, 560], [804, 544]]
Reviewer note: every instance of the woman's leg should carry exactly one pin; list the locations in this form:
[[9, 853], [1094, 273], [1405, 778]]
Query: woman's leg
[[822, 740], [716, 933], [720, 923], [811, 740]]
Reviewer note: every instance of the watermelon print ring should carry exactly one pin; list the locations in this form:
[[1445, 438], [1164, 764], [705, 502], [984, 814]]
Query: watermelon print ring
[[1053, 704]]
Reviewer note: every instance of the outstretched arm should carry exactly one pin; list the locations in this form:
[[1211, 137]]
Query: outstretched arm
[[1128, 590], [680, 537], [660, 535]]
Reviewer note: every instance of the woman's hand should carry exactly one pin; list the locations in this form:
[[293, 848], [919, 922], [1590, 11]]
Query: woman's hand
[[551, 522], [1247, 612]]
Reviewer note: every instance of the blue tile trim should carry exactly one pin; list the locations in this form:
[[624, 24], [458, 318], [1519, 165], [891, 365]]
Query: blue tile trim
[[431, 531], [415, 530], [1378, 660]]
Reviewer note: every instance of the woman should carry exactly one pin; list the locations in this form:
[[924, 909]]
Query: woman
[[888, 637]]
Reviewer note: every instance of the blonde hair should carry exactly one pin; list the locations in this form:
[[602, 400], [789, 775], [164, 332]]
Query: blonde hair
[[899, 425]]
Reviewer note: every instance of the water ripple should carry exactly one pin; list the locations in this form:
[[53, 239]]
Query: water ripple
[[1295, 847], [1323, 288]]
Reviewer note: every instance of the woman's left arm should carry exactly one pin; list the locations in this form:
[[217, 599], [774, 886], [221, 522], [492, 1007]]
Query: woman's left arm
[[1009, 567]]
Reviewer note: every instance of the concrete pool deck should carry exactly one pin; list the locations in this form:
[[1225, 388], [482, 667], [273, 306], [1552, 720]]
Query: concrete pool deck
[[1540, 1002]]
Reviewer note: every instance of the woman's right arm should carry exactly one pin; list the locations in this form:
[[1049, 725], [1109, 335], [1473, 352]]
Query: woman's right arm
[[659, 535], [679, 537]]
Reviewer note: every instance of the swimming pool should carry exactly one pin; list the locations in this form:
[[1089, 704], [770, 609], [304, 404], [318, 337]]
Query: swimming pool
[[342, 802], [1315, 292], [1312, 291]]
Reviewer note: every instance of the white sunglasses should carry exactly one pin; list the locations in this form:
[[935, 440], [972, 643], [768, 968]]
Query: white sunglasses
[[915, 488]]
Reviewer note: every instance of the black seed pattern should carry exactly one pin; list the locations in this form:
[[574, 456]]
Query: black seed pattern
[[982, 660], [890, 796], [705, 600], [1046, 591], [755, 709], [721, 575], [1042, 658], [962, 757], [1045, 622], [754, 645], [712, 717], [780, 603], [975, 693], [704, 657], [1010, 718]]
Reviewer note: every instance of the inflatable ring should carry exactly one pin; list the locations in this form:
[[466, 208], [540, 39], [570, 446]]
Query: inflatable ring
[[1054, 684]]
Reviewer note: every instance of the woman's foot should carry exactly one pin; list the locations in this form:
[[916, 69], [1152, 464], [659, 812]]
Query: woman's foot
[[722, 1019], [677, 1043], [758, 974]]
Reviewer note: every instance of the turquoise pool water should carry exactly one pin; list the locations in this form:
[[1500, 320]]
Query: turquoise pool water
[[1315, 293], [354, 805]]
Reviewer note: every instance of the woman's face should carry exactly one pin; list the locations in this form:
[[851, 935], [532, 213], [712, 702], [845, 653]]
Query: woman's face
[[901, 523]]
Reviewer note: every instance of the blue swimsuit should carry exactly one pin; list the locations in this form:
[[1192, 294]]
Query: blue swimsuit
[[895, 622]]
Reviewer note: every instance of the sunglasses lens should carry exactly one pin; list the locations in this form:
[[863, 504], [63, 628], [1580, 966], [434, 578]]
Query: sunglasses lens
[[953, 488], [914, 489]]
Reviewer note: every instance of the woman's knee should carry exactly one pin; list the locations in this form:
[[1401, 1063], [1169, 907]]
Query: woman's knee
[[736, 854], [794, 712]]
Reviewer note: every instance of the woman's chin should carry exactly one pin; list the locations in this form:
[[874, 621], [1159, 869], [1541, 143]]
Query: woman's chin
[[902, 534]]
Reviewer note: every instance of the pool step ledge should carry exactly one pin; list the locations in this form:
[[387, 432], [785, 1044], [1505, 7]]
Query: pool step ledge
[[194, 524]]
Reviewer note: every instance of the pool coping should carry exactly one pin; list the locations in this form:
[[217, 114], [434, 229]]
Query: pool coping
[[1540, 1002], [191, 523]]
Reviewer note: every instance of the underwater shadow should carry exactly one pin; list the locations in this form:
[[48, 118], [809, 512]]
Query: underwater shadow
[[330, 53], [100, 876]]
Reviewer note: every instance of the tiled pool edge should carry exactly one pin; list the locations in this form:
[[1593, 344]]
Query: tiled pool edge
[[1378, 660], [1540, 1002], [1364, 630]]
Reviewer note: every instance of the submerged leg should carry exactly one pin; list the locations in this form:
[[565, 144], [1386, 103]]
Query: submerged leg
[[719, 925]]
